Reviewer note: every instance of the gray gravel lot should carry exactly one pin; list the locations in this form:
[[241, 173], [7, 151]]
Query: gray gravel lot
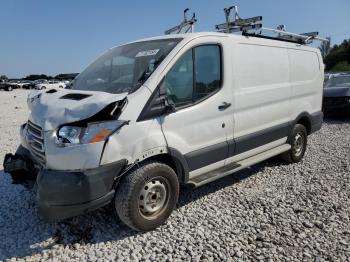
[[272, 211]]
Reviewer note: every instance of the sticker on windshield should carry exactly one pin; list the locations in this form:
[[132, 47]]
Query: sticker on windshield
[[147, 53]]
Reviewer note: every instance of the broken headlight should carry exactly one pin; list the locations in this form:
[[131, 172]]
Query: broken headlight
[[69, 134], [94, 132]]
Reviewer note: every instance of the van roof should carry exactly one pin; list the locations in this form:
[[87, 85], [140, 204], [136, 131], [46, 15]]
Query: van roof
[[186, 36]]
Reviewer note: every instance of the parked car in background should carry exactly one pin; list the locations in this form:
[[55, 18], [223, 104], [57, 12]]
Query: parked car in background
[[38, 82], [336, 97], [12, 84], [51, 84], [22, 83], [4, 85], [27, 84]]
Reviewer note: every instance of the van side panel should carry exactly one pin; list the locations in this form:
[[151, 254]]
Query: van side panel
[[262, 87], [261, 94], [306, 77]]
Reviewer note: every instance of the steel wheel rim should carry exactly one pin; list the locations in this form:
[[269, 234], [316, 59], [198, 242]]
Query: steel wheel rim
[[154, 197], [298, 144]]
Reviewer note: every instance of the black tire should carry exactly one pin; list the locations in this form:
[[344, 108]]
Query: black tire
[[9, 88], [298, 140], [43, 88], [147, 182]]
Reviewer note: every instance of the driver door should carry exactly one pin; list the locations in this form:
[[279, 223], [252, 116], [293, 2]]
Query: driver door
[[203, 118]]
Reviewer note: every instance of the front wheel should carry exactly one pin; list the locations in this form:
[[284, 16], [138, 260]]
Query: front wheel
[[298, 141], [9, 88], [146, 197]]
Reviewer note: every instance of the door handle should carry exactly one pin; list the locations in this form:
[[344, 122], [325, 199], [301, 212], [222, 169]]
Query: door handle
[[224, 106]]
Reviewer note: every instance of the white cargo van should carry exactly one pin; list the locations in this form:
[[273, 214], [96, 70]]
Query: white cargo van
[[151, 115]]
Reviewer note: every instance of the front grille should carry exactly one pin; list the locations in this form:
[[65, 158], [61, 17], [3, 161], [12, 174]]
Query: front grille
[[35, 140]]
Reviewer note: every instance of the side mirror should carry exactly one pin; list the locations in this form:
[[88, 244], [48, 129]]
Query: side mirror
[[169, 105], [159, 104]]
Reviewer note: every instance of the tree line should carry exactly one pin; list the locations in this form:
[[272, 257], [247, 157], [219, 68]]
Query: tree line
[[30, 77], [336, 58]]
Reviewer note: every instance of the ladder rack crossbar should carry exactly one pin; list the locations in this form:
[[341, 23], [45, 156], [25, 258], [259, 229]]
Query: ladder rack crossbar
[[243, 28], [187, 25], [239, 22], [247, 24], [306, 37]]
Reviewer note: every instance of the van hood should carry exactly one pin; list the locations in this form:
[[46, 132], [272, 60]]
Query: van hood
[[53, 108]]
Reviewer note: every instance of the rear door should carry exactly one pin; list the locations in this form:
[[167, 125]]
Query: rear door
[[262, 97], [203, 119], [306, 80]]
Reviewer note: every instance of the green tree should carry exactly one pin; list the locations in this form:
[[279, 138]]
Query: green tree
[[338, 58], [3, 77], [36, 77], [325, 48], [341, 67]]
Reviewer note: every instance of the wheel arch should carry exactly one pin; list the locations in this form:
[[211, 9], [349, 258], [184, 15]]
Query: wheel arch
[[304, 119], [172, 158], [176, 161]]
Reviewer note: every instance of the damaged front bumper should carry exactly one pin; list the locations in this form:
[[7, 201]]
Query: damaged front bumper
[[21, 167], [64, 194]]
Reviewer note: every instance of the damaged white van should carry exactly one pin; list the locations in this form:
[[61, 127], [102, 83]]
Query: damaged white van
[[151, 115]]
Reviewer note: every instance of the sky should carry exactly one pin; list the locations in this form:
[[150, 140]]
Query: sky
[[52, 37]]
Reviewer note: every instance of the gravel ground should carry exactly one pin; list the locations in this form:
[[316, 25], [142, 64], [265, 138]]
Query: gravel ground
[[269, 212]]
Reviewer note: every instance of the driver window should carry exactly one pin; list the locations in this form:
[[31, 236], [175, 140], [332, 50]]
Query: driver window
[[179, 81], [195, 76], [208, 71]]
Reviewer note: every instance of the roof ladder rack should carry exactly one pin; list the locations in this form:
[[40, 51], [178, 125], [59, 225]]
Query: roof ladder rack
[[303, 38], [245, 25], [186, 26], [239, 24]]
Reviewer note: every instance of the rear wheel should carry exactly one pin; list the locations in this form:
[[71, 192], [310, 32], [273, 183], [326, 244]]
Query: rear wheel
[[146, 197], [298, 141], [9, 88]]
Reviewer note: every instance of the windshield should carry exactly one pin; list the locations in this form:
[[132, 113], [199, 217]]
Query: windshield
[[125, 68], [339, 81]]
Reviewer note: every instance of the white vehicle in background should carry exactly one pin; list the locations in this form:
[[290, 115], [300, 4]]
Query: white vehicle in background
[[51, 84]]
